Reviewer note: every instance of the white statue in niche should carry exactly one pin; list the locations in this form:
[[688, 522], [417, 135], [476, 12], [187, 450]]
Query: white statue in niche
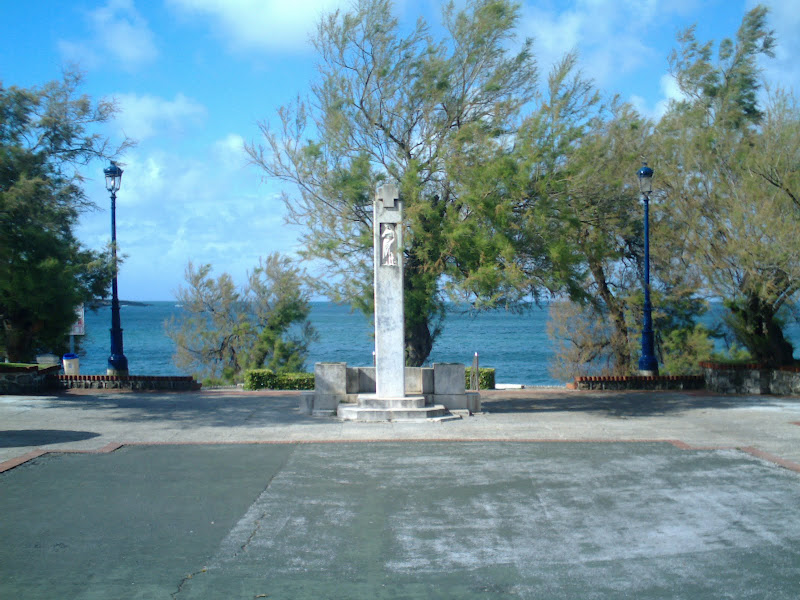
[[389, 244]]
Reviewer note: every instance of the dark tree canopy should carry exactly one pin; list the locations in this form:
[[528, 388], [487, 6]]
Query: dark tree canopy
[[46, 134]]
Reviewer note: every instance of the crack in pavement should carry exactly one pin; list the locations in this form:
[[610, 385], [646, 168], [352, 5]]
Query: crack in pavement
[[256, 527], [185, 580], [260, 519]]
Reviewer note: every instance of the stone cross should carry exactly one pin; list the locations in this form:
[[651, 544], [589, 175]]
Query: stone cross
[[388, 249]]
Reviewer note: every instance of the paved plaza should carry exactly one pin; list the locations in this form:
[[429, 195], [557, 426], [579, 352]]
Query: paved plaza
[[547, 494]]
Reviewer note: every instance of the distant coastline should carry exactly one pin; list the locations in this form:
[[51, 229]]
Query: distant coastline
[[104, 303]]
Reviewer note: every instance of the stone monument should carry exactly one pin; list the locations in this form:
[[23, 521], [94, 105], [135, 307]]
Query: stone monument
[[389, 391], [390, 400]]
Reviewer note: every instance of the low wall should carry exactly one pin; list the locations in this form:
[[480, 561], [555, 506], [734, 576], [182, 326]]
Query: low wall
[[751, 378], [637, 382], [132, 382], [27, 380]]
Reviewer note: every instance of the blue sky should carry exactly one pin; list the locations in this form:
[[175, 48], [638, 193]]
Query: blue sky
[[193, 77]]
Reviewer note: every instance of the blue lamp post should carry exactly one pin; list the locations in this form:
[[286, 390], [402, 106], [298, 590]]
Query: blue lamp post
[[117, 363], [648, 365]]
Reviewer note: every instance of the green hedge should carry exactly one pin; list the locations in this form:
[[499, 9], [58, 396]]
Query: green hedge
[[265, 379], [485, 378]]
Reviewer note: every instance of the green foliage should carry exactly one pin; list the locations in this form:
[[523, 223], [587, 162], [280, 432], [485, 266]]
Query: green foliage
[[401, 106], [729, 177], [485, 378], [724, 213], [45, 136], [260, 379], [733, 355], [225, 331], [684, 349], [5, 367], [280, 303]]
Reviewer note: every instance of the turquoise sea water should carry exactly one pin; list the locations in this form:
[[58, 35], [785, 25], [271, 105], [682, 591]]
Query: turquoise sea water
[[516, 345]]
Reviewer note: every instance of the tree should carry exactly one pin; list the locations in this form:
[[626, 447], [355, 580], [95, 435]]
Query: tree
[[45, 273], [225, 331], [397, 106], [578, 207], [731, 181], [280, 306]]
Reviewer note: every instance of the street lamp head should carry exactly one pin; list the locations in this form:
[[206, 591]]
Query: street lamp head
[[113, 177], [645, 179]]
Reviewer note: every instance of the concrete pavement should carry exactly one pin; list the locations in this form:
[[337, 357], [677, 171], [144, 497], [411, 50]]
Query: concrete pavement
[[91, 421], [235, 495]]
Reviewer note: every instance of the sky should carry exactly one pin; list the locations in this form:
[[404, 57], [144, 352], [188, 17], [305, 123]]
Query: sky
[[192, 79]]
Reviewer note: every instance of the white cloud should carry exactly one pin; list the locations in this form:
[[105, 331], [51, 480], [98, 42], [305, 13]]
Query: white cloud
[[610, 42], [172, 208], [142, 117], [230, 151], [784, 19], [263, 24], [669, 89], [118, 32]]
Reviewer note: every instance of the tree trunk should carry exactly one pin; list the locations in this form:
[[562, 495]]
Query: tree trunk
[[423, 311], [619, 339], [755, 325], [419, 341]]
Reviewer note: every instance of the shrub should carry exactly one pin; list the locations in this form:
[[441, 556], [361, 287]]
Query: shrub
[[295, 381], [485, 378], [265, 379]]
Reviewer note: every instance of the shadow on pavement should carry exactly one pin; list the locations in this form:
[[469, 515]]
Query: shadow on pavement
[[40, 437], [619, 404], [192, 409]]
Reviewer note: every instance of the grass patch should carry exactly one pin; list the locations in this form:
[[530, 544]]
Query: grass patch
[[11, 367]]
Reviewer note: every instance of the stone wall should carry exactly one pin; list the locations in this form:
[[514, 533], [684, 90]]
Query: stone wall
[[27, 380], [636, 382], [785, 381], [751, 378], [132, 382]]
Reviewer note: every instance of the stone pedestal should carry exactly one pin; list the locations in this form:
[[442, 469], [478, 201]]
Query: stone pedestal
[[372, 407], [350, 393]]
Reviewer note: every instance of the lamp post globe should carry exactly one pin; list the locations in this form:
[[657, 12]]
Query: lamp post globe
[[648, 365], [117, 363]]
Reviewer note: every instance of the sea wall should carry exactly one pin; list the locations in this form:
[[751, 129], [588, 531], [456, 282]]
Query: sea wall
[[132, 382], [27, 380], [751, 378], [636, 382]]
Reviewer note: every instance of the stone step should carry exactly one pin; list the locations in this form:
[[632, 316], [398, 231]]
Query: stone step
[[372, 401], [412, 415]]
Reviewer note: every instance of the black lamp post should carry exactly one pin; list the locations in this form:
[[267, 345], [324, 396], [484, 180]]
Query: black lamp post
[[117, 363], [648, 365]]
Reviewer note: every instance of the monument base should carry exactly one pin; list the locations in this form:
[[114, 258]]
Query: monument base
[[354, 390], [405, 409]]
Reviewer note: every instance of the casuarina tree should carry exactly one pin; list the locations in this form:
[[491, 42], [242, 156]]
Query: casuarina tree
[[389, 104], [46, 134]]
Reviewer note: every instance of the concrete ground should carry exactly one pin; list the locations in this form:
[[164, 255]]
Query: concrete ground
[[548, 494]]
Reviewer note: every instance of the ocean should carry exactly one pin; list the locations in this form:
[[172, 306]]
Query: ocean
[[516, 345]]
